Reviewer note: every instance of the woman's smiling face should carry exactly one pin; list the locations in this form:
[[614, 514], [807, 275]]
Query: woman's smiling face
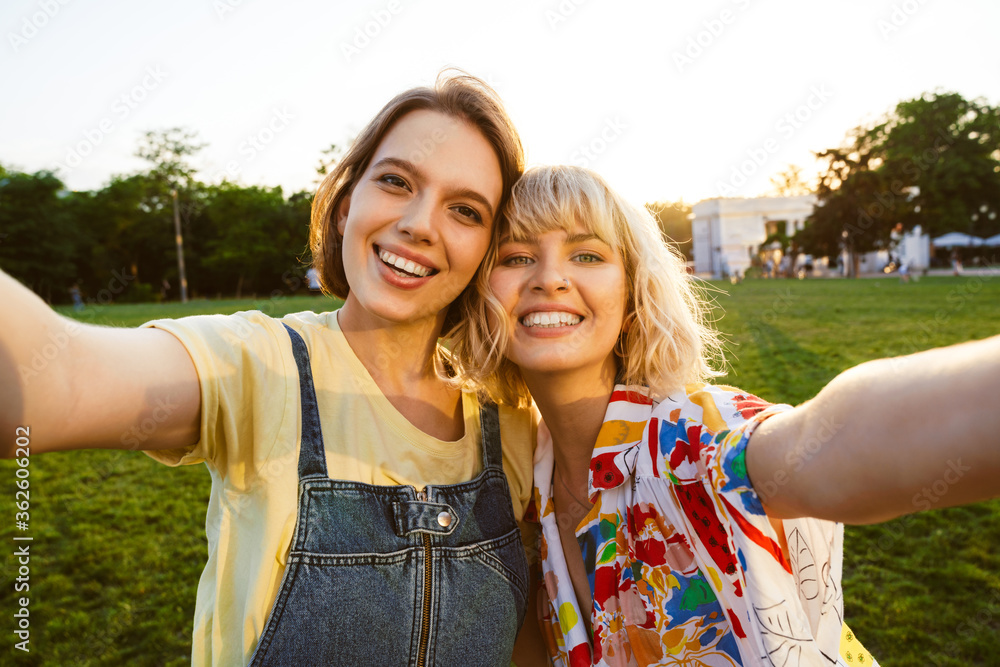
[[564, 296], [418, 222]]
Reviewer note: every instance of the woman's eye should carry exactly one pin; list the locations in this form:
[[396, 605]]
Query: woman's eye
[[393, 180], [589, 258], [516, 260], [468, 212]]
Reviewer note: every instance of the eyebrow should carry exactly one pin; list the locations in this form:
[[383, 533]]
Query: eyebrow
[[570, 240], [406, 165], [582, 238]]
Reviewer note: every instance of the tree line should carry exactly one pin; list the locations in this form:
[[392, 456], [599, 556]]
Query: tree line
[[238, 240]]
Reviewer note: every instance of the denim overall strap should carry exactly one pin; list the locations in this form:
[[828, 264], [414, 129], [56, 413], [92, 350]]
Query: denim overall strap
[[312, 454], [386, 575], [489, 420]]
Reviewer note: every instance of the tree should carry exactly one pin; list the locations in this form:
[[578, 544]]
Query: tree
[[329, 157], [790, 182], [39, 241], [131, 222], [847, 214], [674, 219], [258, 235], [170, 151], [933, 161], [945, 151]]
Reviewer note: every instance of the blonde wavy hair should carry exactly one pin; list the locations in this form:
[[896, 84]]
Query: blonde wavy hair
[[666, 341]]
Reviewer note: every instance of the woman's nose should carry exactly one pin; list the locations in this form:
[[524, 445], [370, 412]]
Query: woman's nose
[[419, 221], [549, 279]]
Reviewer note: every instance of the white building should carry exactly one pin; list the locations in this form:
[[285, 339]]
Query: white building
[[726, 233]]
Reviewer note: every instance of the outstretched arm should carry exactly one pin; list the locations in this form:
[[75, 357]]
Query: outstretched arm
[[886, 438], [82, 386]]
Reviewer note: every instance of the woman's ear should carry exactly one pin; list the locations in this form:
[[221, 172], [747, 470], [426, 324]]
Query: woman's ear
[[341, 213]]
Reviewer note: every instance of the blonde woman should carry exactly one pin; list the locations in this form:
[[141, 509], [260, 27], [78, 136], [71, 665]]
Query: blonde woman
[[681, 522]]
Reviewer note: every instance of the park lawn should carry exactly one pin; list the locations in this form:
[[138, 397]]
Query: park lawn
[[119, 540], [923, 589]]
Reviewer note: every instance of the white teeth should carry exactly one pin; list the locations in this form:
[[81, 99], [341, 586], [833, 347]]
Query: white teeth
[[403, 264], [555, 318]]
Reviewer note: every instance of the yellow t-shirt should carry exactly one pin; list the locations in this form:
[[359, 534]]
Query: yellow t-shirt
[[250, 428]]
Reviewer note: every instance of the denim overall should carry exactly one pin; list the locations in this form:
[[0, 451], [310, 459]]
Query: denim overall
[[387, 575]]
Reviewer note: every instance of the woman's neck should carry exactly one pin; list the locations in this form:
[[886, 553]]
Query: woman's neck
[[397, 355], [402, 360], [573, 405]]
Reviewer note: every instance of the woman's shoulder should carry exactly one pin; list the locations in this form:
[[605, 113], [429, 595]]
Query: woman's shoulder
[[242, 328], [309, 318], [716, 406], [247, 330]]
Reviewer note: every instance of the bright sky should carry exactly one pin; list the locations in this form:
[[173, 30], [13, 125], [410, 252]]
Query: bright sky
[[665, 99]]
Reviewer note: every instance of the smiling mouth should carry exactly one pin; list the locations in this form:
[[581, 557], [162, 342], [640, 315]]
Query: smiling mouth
[[402, 266], [550, 319]]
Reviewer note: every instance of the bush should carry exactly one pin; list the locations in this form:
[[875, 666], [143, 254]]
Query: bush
[[139, 293]]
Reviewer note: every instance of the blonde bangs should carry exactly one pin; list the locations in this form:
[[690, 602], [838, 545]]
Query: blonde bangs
[[557, 198]]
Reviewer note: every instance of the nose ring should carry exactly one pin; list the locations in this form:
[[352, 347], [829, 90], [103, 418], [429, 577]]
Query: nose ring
[[565, 283]]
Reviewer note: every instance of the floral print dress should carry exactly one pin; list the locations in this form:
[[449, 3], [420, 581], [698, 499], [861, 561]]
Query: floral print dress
[[684, 566]]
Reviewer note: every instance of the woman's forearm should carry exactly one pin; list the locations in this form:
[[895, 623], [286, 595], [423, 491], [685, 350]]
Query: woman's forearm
[[32, 341], [78, 385], [887, 438]]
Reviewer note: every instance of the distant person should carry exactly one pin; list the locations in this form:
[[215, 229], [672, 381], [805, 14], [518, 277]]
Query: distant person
[[164, 289], [312, 278], [785, 267], [956, 262], [74, 293]]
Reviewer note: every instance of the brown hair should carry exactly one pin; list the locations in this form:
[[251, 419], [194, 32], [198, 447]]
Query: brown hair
[[458, 95]]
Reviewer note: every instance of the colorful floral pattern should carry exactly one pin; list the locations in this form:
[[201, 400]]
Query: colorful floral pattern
[[684, 566]]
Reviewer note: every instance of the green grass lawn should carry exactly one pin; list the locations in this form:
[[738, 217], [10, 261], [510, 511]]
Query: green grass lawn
[[923, 589], [119, 541]]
